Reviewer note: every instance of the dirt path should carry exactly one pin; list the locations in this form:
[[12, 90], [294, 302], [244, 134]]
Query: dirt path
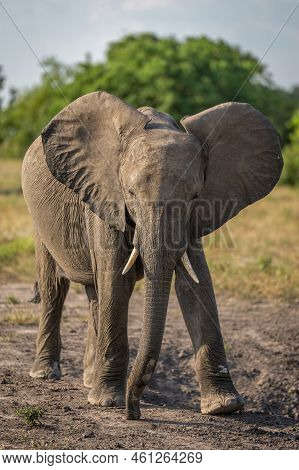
[[261, 342]]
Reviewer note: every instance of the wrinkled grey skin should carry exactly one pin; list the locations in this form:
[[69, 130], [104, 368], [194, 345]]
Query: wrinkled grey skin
[[103, 178]]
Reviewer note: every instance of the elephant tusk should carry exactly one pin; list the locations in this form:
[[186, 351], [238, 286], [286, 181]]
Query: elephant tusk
[[131, 261], [187, 265]]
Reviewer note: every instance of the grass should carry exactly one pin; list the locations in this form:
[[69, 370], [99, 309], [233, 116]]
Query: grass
[[31, 414], [12, 300], [16, 242], [8, 338], [21, 317], [254, 256]]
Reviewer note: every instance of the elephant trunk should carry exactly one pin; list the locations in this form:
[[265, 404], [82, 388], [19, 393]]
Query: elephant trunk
[[158, 275]]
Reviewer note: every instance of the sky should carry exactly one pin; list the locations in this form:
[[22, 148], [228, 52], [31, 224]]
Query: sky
[[68, 29]]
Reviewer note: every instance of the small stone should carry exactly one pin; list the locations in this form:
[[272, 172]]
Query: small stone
[[88, 434]]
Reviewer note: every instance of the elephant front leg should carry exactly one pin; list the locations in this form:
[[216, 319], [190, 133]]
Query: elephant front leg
[[198, 304], [90, 350], [112, 350]]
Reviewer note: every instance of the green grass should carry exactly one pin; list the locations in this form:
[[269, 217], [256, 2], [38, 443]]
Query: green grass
[[254, 256], [31, 414], [17, 259], [10, 251]]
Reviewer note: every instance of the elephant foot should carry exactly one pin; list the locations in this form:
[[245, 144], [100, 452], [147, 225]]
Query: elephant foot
[[45, 370], [221, 403], [218, 393], [132, 407], [88, 378], [107, 398]]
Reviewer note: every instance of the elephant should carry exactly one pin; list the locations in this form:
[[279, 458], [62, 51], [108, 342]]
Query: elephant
[[117, 194]]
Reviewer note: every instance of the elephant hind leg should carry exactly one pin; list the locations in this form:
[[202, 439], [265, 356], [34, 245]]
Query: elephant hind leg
[[90, 350], [53, 289]]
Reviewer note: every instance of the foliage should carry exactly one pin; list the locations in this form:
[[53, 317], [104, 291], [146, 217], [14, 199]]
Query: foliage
[[178, 77], [2, 80], [290, 173], [31, 414]]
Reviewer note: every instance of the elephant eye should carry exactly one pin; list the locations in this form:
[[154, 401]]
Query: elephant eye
[[196, 196], [131, 192]]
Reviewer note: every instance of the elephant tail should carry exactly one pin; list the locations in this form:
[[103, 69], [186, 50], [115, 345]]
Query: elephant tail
[[36, 299]]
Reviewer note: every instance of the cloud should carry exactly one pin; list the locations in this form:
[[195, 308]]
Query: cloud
[[140, 5]]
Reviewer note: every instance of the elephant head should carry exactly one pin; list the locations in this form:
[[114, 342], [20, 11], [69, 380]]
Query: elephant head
[[139, 167]]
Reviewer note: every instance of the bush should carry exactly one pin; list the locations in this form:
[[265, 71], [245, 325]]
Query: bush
[[178, 77], [290, 174], [31, 414]]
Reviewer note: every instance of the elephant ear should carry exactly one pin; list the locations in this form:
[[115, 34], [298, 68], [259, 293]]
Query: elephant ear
[[243, 160], [83, 145]]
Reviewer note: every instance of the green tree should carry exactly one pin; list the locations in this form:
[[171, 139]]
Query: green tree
[[2, 80], [23, 120], [178, 77], [290, 174], [187, 77]]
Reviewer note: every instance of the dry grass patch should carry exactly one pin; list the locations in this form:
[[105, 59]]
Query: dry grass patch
[[12, 300], [21, 317], [16, 241], [256, 254]]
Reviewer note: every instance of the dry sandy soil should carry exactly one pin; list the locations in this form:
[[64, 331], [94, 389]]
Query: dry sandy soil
[[261, 341]]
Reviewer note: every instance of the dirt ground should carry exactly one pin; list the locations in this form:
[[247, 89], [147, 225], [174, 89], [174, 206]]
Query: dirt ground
[[260, 339]]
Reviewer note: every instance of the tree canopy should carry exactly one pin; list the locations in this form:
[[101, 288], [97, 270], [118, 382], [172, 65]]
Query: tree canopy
[[179, 77], [2, 80], [291, 153]]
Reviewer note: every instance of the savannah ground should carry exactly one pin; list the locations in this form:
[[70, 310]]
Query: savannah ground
[[254, 264]]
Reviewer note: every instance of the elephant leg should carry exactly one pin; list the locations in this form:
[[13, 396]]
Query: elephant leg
[[112, 349], [90, 350], [198, 304], [53, 290]]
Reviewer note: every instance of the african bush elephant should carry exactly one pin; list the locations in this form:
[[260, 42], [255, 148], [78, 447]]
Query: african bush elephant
[[106, 183]]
